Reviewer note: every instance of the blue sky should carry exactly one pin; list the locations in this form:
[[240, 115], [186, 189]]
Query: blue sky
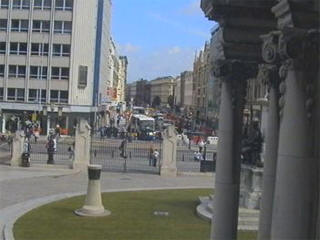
[[160, 37]]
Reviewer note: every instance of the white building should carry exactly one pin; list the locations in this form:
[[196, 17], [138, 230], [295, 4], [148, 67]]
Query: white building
[[53, 55]]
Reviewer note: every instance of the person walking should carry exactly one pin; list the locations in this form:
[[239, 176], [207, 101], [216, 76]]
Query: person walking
[[201, 145], [151, 152], [155, 157]]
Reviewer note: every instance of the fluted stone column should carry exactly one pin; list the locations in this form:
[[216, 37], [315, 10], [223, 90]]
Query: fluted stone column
[[227, 181], [294, 209], [271, 154]]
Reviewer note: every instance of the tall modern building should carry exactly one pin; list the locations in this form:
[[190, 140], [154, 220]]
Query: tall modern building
[[53, 59]]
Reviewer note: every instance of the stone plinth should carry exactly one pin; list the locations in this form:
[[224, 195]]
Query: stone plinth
[[17, 149], [250, 187], [82, 146], [248, 219], [93, 204]]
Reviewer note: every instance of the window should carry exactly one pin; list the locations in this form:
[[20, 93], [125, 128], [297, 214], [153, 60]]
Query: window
[[59, 96], [42, 4], [64, 5], [1, 94], [62, 26], [18, 48], [16, 94], [40, 26], [3, 24], [2, 47], [61, 50], [60, 73], [4, 3], [64, 96], [38, 72], [37, 95], [39, 49], [11, 94], [21, 4], [19, 25], [20, 94], [1, 70], [83, 74], [16, 71], [54, 96]]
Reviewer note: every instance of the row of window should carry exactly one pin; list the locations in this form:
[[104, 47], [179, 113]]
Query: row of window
[[36, 72], [64, 5], [43, 26], [35, 95], [37, 49]]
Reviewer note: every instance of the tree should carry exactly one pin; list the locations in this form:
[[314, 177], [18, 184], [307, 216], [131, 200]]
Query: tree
[[171, 101], [156, 101]]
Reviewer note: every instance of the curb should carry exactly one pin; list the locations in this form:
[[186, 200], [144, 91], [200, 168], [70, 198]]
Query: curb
[[13, 213]]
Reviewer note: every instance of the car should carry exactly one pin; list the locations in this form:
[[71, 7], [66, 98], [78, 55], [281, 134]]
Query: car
[[212, 140]]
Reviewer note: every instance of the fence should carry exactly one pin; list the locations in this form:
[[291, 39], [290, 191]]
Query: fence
[[107, 153], [5, 150], [189, 160], [62, 155]]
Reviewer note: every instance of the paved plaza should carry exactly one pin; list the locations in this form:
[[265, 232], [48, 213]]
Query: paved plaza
[[24, 188]]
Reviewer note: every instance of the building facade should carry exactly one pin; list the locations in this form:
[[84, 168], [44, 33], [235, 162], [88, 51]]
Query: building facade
[[177, 91], [123, 70], [201, 77], [186, 89], [162, 88], [52, 59]]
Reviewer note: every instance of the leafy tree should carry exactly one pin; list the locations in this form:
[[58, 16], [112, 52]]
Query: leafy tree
[[171, 101], [156, 101]]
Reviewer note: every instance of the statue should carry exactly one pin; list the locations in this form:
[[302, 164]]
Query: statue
[[252, 145]]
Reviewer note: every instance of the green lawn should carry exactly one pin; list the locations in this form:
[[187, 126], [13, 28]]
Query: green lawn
[[131, 219]]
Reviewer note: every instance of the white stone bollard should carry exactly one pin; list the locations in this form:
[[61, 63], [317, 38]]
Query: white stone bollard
[[17, 149], [93, 204]]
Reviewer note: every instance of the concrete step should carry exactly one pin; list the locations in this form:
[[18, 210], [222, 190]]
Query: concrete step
[[248, 218]]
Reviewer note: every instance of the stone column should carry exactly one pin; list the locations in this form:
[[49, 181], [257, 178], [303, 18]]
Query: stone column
[[271, 153], [169, 151], [294, 209], [227, 181], [82, 145], [17, 149]]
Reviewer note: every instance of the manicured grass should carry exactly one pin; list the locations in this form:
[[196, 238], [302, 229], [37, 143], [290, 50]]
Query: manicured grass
[[131, 218]]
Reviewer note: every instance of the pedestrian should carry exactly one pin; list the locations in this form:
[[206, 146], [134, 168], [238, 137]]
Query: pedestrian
[[71, 152], [155, 157], [123, 148], [201, 145], [151, 152]]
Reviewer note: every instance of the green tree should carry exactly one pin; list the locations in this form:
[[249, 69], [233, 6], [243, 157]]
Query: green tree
[[156, 101], [171, 101]]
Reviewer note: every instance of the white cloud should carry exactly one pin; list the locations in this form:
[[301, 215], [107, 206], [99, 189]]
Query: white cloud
[[174, 50], [128, 48]]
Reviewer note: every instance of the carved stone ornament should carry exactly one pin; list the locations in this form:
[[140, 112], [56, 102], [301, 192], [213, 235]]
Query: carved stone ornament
[[299, 45], [270, 53], [268, 75]]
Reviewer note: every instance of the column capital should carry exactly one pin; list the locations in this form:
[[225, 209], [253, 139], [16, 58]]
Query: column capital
[[299, 48], [270, 47], [269, 75], [234, 70]]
